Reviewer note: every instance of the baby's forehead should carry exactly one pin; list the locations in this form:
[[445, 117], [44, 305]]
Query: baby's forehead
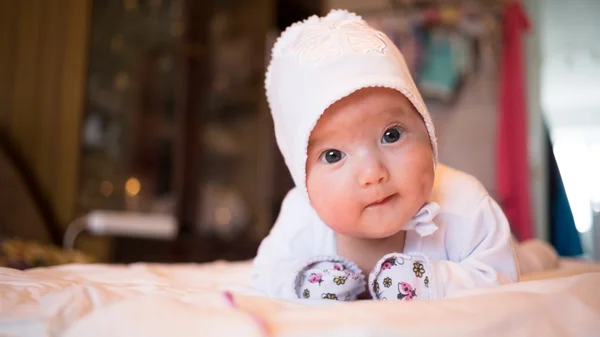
[[366, 106], [360, 115]]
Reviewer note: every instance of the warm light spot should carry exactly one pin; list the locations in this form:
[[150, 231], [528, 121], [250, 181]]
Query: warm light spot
[[177, 28], [130, 4], [223, 216], [106, 188], [132, 187], [121, 81]]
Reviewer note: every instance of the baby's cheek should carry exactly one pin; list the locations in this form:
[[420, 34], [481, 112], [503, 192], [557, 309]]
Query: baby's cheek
[[419, 174], [332, 197], [335, 209], [427, 178]]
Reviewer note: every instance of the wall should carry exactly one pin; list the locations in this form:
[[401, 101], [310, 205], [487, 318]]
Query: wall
[[538, 159], [570, 47], [43, 46]]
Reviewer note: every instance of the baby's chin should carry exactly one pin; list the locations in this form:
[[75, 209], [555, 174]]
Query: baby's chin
[[368, 232], [379, 235]]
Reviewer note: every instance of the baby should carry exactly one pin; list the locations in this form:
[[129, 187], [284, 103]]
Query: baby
[[373, 215]]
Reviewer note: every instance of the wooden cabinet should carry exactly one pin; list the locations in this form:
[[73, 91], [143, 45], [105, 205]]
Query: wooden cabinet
[[176, 121]]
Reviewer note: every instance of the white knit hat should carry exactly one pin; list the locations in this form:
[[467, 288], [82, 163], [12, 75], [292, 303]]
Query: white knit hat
[[317, 62]]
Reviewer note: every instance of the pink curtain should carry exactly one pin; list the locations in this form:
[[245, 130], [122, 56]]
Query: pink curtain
[[512, 158]]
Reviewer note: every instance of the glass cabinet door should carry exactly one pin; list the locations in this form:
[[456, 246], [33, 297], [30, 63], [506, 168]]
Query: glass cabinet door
[[176, 122], [128, 127]]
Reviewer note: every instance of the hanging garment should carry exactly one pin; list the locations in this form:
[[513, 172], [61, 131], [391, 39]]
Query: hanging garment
[[440, 75], [512, 175]]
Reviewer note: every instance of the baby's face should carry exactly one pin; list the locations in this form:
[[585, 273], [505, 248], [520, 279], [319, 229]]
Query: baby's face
[[370, 164]]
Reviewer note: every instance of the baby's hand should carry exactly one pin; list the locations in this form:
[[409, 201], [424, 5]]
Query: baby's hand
[[400, 276], [330, 278]]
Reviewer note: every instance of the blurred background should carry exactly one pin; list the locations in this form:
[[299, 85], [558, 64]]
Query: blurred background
[[157, 107]]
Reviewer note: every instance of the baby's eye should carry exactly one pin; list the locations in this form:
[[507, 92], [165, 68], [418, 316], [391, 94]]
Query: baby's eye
[[392, 135], [332, 156]]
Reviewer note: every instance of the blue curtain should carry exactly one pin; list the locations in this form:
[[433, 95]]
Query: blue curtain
[[563, 233]]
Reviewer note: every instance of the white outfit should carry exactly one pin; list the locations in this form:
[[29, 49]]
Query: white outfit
[[472, 246], [462, 237]]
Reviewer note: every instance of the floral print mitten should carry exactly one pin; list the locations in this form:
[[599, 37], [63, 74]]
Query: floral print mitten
[[330, 278], [402, 277]]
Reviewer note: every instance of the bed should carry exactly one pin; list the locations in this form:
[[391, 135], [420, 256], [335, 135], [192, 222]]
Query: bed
[[216, 299]]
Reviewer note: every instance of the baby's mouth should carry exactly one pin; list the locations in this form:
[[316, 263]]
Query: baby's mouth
[[381, 202]]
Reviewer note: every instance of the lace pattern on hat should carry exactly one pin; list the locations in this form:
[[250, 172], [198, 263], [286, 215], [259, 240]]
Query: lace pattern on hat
[[331, 39]]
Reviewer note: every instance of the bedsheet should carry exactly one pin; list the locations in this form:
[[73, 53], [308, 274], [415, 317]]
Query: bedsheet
[[216, 299]]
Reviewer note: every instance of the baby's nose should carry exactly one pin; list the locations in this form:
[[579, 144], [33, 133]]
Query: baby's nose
[[372, 172]]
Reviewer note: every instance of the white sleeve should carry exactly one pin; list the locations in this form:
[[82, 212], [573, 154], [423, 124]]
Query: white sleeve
[[284, 252], [486, 254]]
